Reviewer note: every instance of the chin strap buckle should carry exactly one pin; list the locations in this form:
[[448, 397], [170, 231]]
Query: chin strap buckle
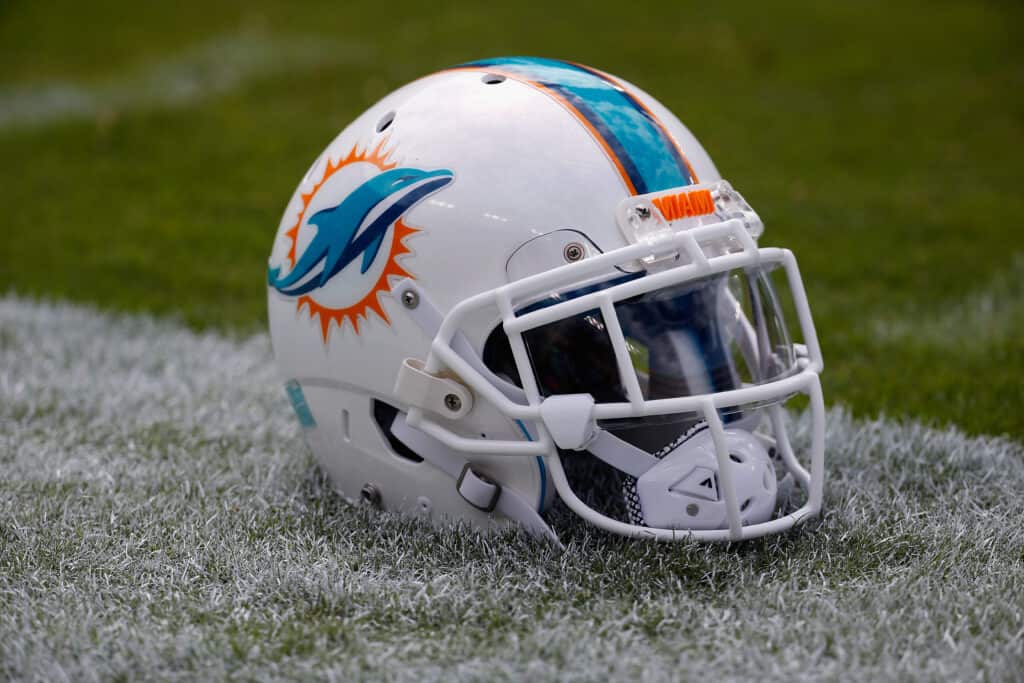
[[478, 490]]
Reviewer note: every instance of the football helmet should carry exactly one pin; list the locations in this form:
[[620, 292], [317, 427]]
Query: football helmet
[[523, 278]]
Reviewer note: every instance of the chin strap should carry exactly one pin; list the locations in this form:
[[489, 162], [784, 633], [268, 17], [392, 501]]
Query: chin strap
[[475, 488], [621, 454]]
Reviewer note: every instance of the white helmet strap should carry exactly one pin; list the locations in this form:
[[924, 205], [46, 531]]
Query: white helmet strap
[[478, 490], [621, 454]]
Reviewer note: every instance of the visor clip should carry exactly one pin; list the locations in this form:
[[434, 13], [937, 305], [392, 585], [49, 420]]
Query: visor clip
[[441, 395], [478, 490]]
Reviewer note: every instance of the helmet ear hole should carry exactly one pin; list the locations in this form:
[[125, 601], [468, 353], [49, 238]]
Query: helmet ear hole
[[384, 415]]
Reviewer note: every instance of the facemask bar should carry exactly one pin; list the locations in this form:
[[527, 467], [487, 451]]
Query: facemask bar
[[812, 482], [689, 245]]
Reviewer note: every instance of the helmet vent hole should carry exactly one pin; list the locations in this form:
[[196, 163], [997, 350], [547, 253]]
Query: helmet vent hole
[[736, 458], [746, 504], [385, 121], [492, 79]]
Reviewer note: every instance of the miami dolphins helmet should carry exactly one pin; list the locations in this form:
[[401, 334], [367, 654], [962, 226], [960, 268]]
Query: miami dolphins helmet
[[520, 280]]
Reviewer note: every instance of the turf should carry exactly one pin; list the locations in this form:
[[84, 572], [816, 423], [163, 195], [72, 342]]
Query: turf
[[159, 518], [146, 166]]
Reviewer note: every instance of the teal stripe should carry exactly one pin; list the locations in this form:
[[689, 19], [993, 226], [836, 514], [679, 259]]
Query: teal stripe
[[298, 401], [540, 466], [643, 147]]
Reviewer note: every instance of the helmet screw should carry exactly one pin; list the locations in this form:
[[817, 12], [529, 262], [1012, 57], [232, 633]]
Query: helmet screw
[[452, 402], [642, 212], [410, 299], [370, 495], [573, 252]]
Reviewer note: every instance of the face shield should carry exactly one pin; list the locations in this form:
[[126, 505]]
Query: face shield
[[658, 372], [713, 334]]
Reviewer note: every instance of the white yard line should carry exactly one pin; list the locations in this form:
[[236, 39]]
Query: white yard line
[[159, 520], [220, 65], [85, 386], [987, 314]]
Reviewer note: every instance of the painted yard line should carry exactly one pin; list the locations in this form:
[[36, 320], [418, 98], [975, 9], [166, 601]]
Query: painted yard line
[[220, 65], [986, 315], [153, 505]]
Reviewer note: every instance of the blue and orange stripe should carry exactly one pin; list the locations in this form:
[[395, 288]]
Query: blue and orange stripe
[[646, 156]]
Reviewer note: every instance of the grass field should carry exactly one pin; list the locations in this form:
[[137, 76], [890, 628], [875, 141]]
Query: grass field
[[160, 518]]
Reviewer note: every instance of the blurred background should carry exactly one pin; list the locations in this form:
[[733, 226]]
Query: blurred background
[[149, 152]]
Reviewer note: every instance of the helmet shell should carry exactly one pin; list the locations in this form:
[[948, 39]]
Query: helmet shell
[[521, 164]]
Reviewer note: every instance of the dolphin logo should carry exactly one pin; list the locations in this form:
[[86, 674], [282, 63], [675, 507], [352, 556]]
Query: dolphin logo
[[338, 239]]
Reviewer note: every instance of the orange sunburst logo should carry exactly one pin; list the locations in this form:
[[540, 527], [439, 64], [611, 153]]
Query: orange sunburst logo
[[357, 234]]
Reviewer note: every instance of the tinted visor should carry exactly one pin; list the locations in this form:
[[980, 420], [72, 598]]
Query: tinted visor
[[698, 337]]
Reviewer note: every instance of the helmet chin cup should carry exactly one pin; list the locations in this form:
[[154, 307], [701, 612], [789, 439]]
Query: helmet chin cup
[[684, 490]]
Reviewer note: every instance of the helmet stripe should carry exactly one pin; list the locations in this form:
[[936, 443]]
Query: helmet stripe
[[634, 139]]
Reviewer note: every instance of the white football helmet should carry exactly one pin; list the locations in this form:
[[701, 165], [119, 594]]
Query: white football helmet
[[524, 277]]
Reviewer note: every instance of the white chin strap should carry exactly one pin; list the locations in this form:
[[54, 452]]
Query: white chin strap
[[477, 489], [620, 454]]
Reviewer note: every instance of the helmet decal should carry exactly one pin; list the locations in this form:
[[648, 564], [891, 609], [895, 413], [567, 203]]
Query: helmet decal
[[645, 155], [350, 248]]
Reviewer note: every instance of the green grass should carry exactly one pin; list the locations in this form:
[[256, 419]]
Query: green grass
[[881, 151], [879, 141]]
